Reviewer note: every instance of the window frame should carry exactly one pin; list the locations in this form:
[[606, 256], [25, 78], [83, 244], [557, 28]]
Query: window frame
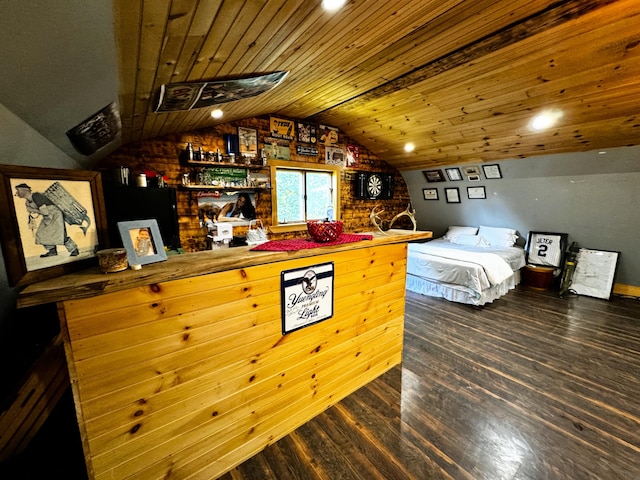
[[305, 167]]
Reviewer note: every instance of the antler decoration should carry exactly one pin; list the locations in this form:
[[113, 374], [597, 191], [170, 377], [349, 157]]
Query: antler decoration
[[384, 225]]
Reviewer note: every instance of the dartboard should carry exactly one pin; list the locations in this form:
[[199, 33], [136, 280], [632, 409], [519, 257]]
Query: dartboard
[[374, 185]]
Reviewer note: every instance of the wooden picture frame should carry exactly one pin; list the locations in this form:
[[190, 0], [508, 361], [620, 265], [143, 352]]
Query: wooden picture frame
[[476, 193], [452, 195], [142, 241], [72, 203], [433, 175], [430, 193]]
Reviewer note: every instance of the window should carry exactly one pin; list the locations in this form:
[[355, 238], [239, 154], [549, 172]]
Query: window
[[303, 192]]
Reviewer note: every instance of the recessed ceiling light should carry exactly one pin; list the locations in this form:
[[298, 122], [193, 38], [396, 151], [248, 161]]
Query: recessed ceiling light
[[217, 113], [409, 147], [546, 119], [333, 5]]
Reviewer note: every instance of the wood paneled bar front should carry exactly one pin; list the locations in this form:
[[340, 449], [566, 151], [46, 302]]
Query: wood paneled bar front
[[181, 369]]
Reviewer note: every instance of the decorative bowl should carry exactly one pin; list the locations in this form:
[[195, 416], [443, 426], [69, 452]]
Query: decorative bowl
[[324, 231]]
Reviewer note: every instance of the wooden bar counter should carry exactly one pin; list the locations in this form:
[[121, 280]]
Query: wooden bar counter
[[181, 369]]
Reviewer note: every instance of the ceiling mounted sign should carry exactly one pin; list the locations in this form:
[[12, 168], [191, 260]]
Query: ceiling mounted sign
[[188, 95]]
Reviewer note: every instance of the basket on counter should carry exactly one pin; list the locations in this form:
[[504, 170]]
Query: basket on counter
[[324, 231]]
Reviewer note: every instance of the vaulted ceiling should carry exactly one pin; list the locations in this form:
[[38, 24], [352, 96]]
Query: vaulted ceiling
[[460, 79]]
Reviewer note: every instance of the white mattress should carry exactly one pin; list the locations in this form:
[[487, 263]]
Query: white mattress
[[440, 268]]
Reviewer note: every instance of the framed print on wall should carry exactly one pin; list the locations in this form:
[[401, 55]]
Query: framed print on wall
[[433, 175], [53, 221], [491, 171], [476, 193], [453, 174], [142, 241], [546, 249], [248, 141], [452, 195], [430, 193]]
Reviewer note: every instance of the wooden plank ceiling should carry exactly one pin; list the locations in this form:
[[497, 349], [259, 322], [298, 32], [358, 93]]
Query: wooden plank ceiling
[[459, 79]]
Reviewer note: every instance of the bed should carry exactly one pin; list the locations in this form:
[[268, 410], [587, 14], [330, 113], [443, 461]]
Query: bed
[[472, 265]]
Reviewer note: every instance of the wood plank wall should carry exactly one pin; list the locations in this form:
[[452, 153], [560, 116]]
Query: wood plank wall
[[189, 378], [162, 155]]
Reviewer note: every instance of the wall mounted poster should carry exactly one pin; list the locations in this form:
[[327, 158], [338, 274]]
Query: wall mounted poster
[[306, 296], [282, 128]]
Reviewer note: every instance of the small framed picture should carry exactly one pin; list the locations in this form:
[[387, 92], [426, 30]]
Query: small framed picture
[[476, 193], [248, 141], [471, 171], [491, 171], [452, 195], [474, 178], [453, 174], [307, 132], [430, 193], [142, 241], [433, 175]]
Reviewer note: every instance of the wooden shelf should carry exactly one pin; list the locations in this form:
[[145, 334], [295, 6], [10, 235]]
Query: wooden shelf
[[218, 187]]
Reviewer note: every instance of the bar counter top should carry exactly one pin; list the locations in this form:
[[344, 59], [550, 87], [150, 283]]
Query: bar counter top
[[92, 282]]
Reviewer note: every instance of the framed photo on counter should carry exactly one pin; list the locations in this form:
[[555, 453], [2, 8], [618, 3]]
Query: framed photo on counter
[[142, 241]]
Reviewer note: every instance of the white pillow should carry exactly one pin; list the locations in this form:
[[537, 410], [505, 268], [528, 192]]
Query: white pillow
[[454, 231], [470, 240], [498, 237]]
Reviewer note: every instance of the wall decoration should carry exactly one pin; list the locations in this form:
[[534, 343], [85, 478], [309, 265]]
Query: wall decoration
[[187, 95], [142, 241], [328, 135], [53, 221], [353, 156], [248, 141], [334, 156], [96, 131], [473, 170], [476, 193], [281, 128], [492, 171], [594, 273], [473, 178], [306, 296], [453, 174], [374, 185], [433, 175], [307, 132], [276, 149], [452, 195], [546, 249], [307, 150], [430, 193]]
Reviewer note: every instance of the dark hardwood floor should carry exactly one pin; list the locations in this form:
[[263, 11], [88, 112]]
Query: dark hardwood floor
[[530, 387]]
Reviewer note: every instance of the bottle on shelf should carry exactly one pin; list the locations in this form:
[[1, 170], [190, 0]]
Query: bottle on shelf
[[189, 151]]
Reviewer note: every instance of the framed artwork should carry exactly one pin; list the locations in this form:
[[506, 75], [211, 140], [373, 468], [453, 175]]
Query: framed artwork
[[546, 249], [328, 135], [453, 174], [474, 178], [594, 273], [307, 132], [53, 221], [430, 193], [334, 156], [353, 156], [476, 193], [248, 141], [452, 195], [491, 171], [142, 241], [281, 128], [473, 170], [433, 175]]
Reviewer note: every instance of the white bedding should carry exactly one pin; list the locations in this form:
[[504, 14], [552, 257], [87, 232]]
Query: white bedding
[[462, 273]]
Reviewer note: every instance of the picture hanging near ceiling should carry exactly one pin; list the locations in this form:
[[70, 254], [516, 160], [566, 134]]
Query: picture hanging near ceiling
[[334, 156], [307, 132], [276, 149], [353, 156], [282, 128], [188, 95], [329, 135]]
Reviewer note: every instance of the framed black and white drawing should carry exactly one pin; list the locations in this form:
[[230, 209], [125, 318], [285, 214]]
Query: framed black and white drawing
[[53, 221], [452, 195], [491, 171], [546, 249], [142, 241], [476, 193], [430, 193]]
